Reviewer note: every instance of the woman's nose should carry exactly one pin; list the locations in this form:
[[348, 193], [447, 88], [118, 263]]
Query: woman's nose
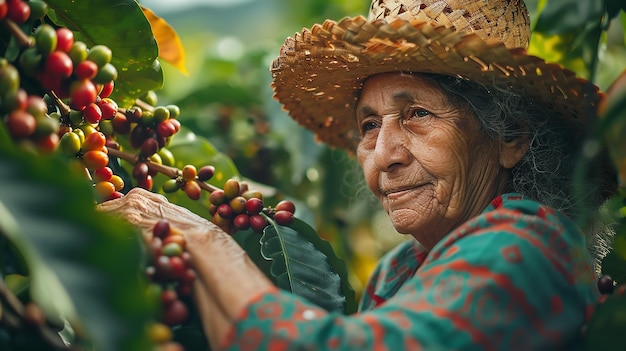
[[390, 151]]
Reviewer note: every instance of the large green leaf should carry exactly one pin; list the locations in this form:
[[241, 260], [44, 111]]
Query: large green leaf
[[82, 262], [306, 265], [122, 26]]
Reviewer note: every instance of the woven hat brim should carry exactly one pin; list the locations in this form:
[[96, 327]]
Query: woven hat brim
[[319, 72]]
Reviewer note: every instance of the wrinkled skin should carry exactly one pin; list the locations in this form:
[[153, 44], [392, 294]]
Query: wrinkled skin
[[426, 160]]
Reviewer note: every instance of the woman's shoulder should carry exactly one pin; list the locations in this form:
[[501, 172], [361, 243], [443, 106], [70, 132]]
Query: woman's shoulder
[[514, 232]]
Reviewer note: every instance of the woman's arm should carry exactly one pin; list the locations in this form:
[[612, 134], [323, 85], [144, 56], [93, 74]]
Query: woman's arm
[[227, 278]]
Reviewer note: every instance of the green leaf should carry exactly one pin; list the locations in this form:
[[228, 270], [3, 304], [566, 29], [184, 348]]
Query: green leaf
[[607, 325], [306, 265], [122, 26], [565, 16], [82, 262]]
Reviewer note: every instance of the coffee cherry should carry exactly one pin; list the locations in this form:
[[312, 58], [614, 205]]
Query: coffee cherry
[[94, 141], [102, 174], [95, 159], [161, 229], [145, 183], [82, 93], [205, 173], [238, 204], [31, 60], [258, 223], [175, 238], [149, 147], [21, 124], [65, 40], [192, 189], [140, 170], [189, 173], [86, 70], [105, 74], [241, 221], [178, 267], [225, 211], [18, 11], [92, 114], [59, 64], [100, 54], [254, 205], [121, 125], [38, 9], [168, 297], [172, 249], [217, 197], [78, 52], [170, 186], [167, 157], [70, 143], [104, 189], [231, 188], [283, 217], [606, 284], [175, 313], [251, 194], [150, 97], [160, 333], [118, 182], [161, 114], [4, 9], [166, 129], [36, 106], [107, 89], [108, 108], [45, 39], [285, 205], [15, 100]]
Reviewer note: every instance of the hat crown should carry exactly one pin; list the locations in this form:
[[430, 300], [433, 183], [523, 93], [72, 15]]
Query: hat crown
[[503, 20]]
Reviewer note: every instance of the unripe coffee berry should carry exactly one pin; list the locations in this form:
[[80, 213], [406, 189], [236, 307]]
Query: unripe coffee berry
[[189, 172], [231, 188]]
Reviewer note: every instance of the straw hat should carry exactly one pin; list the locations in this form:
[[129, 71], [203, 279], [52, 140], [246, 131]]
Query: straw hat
[[319, 72]]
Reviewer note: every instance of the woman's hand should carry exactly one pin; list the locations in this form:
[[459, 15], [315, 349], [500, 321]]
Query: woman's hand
[[144, 209], [227, 280]]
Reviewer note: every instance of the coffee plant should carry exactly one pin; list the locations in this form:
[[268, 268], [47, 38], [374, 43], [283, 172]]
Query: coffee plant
[[81, 124]]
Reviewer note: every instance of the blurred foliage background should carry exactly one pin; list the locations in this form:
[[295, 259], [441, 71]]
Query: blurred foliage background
[[225, 96]]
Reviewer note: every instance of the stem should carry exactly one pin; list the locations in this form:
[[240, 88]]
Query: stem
[[23, 40], [171, 172], [144, 105], [63, 107]]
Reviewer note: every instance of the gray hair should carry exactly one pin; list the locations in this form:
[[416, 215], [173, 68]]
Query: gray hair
[[546, 172]]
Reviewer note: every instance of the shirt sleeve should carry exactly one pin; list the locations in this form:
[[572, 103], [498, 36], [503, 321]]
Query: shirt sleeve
[[507, 280]]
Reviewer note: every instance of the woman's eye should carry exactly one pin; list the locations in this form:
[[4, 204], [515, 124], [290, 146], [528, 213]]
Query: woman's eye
[[368, 125], [419, 113]]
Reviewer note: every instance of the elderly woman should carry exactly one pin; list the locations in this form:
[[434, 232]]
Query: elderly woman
[[469, 144]]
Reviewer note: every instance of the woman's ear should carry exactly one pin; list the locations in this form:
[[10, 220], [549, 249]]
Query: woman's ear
[[512, 151]]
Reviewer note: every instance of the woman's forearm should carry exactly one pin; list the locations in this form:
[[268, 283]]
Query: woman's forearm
[[229, 279]]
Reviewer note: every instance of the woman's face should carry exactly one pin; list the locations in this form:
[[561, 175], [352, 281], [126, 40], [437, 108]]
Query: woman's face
[[425, 159]]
